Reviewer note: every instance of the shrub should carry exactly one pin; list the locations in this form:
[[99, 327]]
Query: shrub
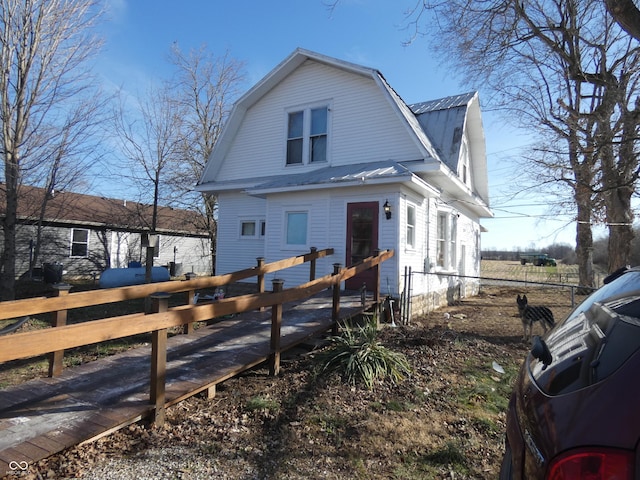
[[359, 357]]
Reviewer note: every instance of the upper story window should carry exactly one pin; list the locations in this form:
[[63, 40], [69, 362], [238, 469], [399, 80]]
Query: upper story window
[[307, 133], [464, 172]]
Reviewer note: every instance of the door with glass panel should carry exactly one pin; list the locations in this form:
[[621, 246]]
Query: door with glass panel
[[362, 240]]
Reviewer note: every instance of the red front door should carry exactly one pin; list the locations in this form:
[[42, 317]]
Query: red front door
[[362, 240]]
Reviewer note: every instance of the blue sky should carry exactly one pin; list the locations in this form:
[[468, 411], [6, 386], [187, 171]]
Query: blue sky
[[139, 33]]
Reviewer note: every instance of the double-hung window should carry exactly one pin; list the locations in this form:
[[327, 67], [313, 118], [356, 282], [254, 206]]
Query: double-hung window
[[411, 226], [307, 135], [447, 236], [79, 242]]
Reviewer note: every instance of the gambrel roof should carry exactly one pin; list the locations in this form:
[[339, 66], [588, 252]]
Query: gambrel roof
[[444, 121], [436, 129]]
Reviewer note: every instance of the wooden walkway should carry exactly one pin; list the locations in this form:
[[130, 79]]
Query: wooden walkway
[[42, 417]]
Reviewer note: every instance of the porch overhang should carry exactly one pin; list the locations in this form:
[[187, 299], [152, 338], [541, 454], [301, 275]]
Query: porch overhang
[[371, 174]]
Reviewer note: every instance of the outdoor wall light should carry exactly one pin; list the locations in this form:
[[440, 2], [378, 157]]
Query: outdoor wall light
[[387, 209]]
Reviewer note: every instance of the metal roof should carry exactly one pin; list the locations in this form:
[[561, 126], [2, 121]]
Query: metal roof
[[442, 103], [339, 174], [443, 121]]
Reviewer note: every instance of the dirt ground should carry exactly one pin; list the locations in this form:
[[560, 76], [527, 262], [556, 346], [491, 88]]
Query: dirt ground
[[445, 420]]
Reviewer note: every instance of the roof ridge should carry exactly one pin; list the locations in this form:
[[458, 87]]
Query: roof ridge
[[443, 103]]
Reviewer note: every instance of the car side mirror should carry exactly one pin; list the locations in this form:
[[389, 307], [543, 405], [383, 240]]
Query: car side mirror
[[540, 350]]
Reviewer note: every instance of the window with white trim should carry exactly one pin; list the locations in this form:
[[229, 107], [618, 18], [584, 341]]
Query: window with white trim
[[464, 172], [79, 242], [307, 135], [296, 228], [411, 226], [446, 243], [252, 228]]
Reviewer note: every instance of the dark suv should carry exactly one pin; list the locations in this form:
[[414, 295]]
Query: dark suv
[[574, 412]]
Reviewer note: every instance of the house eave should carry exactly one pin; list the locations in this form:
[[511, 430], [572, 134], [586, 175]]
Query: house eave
[[52, 222], [262, 192], [450, 184]]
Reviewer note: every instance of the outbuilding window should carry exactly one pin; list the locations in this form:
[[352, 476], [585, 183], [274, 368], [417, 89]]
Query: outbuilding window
[[79, 242]]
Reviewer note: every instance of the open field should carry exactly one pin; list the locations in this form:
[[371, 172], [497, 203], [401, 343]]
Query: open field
[[513, 270]]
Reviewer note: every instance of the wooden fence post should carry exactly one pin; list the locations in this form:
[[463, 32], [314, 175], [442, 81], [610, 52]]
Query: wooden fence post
[[312, 265], [276, 323], [260, 261], [59, 320], [159, 303], [335, 307], [191, 295], [376, 285], [376, 289]]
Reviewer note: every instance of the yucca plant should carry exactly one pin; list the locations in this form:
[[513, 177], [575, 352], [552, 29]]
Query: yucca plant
[[359, 357]]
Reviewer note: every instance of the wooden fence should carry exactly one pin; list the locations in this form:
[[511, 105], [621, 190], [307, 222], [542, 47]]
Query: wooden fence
[[56, 340]]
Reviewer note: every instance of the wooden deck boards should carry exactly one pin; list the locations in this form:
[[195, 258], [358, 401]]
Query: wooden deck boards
[[42, 417]]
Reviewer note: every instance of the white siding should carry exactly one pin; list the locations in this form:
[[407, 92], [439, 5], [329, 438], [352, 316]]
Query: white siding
[[363, 127], [233, 252]]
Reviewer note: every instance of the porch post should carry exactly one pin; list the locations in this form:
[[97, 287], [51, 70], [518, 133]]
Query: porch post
[[260, 285], [312, 265], [191, 295], [59, 320], [276, 323], [159, 304], [335, 308]]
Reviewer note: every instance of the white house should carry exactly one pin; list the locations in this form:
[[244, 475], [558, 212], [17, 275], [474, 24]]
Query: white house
[[312, 153]]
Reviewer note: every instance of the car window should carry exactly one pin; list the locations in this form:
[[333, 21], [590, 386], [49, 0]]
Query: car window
[[622, 285], [590, 345]]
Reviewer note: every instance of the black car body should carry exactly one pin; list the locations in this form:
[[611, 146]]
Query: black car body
[[574, 410]]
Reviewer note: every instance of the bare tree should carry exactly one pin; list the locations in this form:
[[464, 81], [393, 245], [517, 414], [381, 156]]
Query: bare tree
[[73, 146], [569, 75], [44, 49], [205, 86], [627, 14], [151, 140]]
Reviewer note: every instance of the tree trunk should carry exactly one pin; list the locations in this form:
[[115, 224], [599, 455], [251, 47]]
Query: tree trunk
[[620, 223], [584, 234], [7, 279]]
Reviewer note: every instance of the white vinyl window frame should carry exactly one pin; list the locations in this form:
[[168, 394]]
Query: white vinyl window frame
[[411, 226], [79, 243], [307, 134], [447, 241], [296, 229], [251, 228], [464, 169]]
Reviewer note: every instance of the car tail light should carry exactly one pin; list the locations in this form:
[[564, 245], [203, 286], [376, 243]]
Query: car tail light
[[593, 464]]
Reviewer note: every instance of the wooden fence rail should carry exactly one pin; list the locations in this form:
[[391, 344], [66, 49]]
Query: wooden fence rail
[[62, 337], [35, 306]]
